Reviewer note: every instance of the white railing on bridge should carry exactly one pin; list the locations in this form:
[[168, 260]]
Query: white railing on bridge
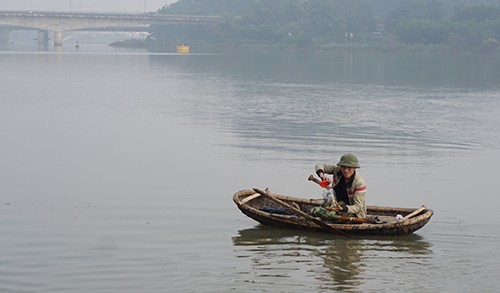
[[124, 16]]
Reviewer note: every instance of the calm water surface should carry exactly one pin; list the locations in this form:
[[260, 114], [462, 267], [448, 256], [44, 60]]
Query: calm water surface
[[117, 169]]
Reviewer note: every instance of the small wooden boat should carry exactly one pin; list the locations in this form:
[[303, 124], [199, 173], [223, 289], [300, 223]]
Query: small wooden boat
[[291, 212]]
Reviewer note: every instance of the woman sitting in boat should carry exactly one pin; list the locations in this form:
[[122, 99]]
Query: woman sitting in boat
[[349, 189]]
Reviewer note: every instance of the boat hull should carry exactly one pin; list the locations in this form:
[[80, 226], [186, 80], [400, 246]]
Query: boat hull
[[251, 204]]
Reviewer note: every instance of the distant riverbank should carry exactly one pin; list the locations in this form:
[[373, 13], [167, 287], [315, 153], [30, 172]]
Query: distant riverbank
[[155, 46]]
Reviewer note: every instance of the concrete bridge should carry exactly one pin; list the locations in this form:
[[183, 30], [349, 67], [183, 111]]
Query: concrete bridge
[[58, 22]]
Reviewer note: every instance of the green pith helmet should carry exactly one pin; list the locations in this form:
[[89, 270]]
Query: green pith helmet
[[349, 160]]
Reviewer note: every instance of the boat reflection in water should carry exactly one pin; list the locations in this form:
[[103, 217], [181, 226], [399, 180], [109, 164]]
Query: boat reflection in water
[[329, 262]]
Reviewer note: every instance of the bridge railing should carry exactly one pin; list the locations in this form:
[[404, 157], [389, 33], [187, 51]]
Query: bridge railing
[[129, 16]]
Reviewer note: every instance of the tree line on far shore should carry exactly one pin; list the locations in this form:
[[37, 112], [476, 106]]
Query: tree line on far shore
[[458, 24]]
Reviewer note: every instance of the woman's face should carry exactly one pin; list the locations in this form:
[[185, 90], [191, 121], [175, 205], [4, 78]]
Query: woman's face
[[347, 171]]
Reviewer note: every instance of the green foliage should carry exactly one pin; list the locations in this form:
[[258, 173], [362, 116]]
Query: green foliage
[[424, 22], [490, 45], [423, 31], [416, 10], [455, 23], [207, 7], [479, 13]]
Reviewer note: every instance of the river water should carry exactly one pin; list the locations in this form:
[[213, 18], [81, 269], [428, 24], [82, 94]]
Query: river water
[[117, 169]]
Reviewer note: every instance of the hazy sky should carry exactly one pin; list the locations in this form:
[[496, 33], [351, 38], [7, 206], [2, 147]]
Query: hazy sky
[[85, 5]]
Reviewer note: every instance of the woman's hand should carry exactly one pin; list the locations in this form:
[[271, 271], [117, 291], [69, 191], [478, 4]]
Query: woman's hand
[[337, 207]]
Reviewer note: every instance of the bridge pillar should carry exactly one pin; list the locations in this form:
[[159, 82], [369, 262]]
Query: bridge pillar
[[57, 39], [43, 38]]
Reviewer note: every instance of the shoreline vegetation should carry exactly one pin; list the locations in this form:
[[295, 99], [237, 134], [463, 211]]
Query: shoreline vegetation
[[303, 25], [154, 46]]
